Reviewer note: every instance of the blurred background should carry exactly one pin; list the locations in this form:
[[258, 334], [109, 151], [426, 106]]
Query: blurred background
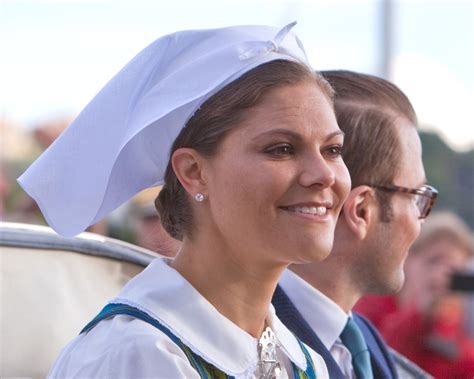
[[57, 54]]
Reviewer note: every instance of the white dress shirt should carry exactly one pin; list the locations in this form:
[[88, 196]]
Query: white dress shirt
[[125, 347], [323, 315]]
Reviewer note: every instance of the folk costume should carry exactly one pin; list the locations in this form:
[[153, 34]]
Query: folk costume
[[159, 326]]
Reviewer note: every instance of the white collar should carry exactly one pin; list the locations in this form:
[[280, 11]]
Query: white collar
[[165, 295], [324, 316]]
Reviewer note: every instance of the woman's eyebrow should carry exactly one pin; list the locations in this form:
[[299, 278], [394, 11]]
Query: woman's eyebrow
[[284, 132], [334, 134], [294, 135]]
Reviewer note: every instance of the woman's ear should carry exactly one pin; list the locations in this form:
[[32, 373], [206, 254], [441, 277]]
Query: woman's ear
[[187, 164], [359, 210]]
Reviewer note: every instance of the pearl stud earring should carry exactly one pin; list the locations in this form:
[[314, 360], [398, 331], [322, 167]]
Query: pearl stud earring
[[199, 197]]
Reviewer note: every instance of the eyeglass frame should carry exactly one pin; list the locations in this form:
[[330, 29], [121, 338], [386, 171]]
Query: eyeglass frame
[[426, 191]]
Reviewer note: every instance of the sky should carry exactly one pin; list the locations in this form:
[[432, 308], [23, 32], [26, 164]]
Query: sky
[[57, 54]]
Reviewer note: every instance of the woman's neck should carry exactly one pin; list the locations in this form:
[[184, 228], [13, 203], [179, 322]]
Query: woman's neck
[[240, 291]]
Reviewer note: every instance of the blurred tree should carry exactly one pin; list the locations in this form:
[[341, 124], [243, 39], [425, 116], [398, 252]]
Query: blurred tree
[[452, 173]]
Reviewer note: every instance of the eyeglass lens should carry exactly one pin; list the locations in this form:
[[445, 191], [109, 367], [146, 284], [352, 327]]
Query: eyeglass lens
[[422, 202]]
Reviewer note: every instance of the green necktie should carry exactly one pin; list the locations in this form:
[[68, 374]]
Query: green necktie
[[353, 339]]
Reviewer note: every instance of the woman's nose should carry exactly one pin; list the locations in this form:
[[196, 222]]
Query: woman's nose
[[317, 171]]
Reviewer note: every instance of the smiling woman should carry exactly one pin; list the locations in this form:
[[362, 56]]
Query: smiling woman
[[277, 159], [244, 137]]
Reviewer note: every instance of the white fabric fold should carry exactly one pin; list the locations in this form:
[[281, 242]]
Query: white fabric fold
[[120, 143]]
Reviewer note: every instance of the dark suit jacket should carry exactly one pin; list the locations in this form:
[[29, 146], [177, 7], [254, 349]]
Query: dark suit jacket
[[383, 366]]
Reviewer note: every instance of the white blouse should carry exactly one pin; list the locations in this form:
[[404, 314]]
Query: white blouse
[[126, 347]]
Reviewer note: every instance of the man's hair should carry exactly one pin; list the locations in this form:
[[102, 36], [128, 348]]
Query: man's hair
[[367, 108], [444, 226]]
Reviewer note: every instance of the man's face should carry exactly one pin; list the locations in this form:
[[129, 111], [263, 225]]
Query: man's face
[[389, 241]]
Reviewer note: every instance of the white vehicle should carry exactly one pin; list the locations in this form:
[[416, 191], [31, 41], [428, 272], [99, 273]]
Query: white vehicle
[[52, 286]]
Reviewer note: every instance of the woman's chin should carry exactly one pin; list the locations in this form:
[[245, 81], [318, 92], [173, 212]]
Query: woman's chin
[[315, 252]]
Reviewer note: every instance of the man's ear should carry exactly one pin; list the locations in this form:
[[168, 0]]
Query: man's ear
[[187, 164], [360, 210]]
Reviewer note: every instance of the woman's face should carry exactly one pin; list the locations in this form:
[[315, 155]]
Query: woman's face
[[276, 186]]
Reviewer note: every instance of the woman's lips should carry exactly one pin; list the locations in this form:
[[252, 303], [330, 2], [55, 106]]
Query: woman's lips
[[319, 210]]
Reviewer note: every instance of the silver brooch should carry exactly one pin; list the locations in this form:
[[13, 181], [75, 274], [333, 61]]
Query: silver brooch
[[268, 366]]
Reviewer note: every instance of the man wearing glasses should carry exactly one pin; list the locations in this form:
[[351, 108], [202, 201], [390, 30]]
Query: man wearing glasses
[[379, 222]]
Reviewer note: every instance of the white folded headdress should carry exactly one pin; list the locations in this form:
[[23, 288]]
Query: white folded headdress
[[120, 143]]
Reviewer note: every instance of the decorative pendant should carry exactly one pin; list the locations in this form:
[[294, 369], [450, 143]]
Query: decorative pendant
[[268, 366]]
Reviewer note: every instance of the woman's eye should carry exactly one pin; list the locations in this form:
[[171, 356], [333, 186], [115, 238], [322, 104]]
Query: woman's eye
[[281, 150], [334, 151]]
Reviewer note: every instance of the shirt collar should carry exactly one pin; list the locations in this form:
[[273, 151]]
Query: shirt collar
[[322, 314], [165, 295]]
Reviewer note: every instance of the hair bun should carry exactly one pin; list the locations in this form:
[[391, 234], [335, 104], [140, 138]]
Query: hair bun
[[169, 216]]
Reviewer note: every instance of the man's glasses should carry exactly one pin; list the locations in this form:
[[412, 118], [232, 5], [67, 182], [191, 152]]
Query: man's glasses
[[425, 196]]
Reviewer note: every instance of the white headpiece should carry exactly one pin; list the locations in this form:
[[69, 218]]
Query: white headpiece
[[120, 143]]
